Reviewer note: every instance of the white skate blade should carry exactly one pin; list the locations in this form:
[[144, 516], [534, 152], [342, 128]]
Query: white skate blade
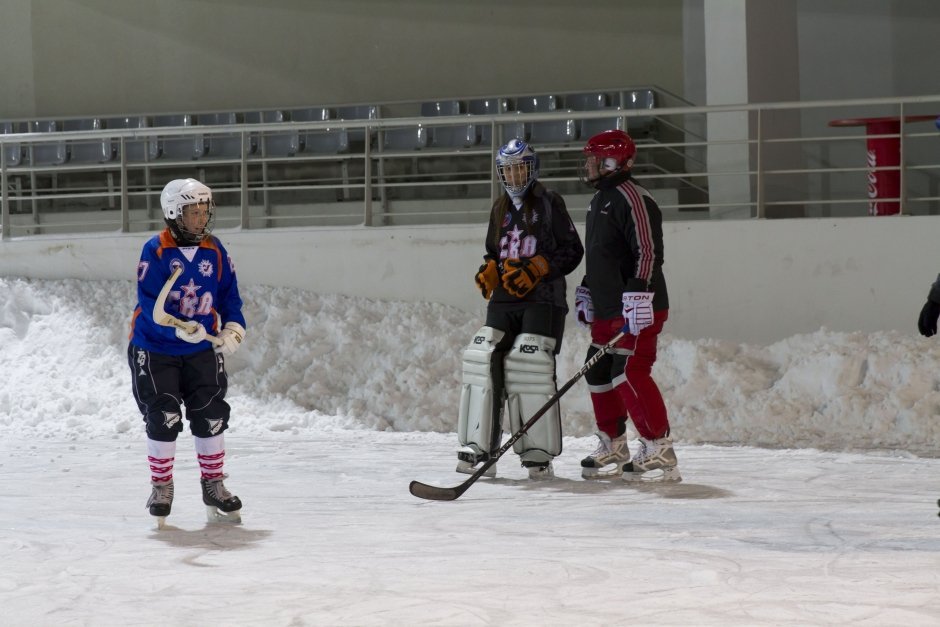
[[215, 515], [610, 471], [467, 469], [159, 523], [656, 475]]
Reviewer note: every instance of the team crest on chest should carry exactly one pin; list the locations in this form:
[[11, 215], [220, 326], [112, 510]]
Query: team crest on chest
[[205, 267]]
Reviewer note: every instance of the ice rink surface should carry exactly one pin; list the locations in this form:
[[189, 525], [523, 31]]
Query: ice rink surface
[[331, 536]]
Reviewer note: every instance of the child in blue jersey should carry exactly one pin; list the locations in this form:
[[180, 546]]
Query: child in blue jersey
[[172, 367]]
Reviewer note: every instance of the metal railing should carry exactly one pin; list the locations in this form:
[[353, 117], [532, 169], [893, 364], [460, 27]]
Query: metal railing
[[724, 161]]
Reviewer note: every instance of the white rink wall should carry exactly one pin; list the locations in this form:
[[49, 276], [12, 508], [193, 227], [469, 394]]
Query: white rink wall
[[744, 281]]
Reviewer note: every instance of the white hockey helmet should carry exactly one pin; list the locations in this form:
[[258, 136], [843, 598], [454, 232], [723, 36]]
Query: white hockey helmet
[[176, 196]]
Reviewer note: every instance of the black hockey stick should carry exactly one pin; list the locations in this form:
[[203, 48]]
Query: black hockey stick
[[434, 493]]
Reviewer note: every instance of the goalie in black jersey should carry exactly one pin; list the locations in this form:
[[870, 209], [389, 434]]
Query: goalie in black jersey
[[531, 244]]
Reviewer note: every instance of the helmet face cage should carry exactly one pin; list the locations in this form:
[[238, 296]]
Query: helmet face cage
[[517, 166], [612, 151], [183, 202]]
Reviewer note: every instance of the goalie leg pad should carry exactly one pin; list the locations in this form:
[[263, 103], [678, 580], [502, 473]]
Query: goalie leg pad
[[478, 419], [530, 382]]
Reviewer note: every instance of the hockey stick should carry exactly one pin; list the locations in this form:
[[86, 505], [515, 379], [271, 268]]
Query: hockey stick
[[161, 317], [434, 493]]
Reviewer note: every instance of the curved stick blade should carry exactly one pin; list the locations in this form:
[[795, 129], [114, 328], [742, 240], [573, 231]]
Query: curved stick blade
[[434, 493]]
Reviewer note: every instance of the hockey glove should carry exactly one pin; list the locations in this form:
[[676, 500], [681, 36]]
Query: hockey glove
[[231, 335], [583, 306], [927, 322], [637, 311], [524, 274], [198, 334], [487, 278]]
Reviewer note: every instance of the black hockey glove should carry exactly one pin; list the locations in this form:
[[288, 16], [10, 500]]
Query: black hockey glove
[[927, 322]]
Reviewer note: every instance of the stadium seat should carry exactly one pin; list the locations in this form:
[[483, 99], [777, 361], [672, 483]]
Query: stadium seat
[[639, 99], [595, 101], [228, 146], [457, 136], [93, 151], [182, 148], [12, 152], [550, 132], [410, 138], [496, 106], [274, 144], [357, 136], [136, 150], [325, 141], [46, 153]]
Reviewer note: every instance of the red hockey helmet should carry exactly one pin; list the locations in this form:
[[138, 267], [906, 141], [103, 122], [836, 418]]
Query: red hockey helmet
[[606, 153], [613, 144]]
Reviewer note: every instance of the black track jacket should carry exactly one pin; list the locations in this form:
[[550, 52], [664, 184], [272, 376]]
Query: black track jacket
[[623, 246]]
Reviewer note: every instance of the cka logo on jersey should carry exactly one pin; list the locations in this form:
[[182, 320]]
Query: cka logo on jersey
[[205, 267]]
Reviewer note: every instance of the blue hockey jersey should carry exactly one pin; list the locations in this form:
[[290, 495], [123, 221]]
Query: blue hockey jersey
[[206, 291]]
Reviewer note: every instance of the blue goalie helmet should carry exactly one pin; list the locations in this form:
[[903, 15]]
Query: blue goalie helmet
[[517, 166]]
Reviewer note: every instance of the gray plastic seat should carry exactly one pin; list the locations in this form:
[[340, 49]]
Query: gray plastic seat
[[274, 144], [496, 106], [46, 153], [180, 147], [410, 138], [325, 141], [590, 101], [458, 136], [640, 99], [595, 101], [93, 151], [12, 152], [357, 136], [227, 146], [549, 132], [136, 150]]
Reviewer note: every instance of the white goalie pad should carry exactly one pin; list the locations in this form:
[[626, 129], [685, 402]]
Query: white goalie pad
[[476, 422], [530, 382]]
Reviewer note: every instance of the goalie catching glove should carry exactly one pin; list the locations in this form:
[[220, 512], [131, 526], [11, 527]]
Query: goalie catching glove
[[522, 275], [231, 335], [487, 278]]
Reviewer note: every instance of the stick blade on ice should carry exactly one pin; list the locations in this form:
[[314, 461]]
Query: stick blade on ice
[[433, 493]]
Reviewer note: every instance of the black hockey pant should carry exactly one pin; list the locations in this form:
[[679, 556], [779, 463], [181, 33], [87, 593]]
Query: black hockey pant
[[164, 383]]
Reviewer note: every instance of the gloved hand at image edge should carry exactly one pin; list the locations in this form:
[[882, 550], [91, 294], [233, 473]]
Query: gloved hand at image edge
[[927, 321], [521, 275], [637, 311], [231, 335]]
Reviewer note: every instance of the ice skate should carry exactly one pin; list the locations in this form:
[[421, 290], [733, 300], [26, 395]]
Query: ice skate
[[221, 505], [160, 502], [608, 458], [654, 461], [468, 461], [540, 471]]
